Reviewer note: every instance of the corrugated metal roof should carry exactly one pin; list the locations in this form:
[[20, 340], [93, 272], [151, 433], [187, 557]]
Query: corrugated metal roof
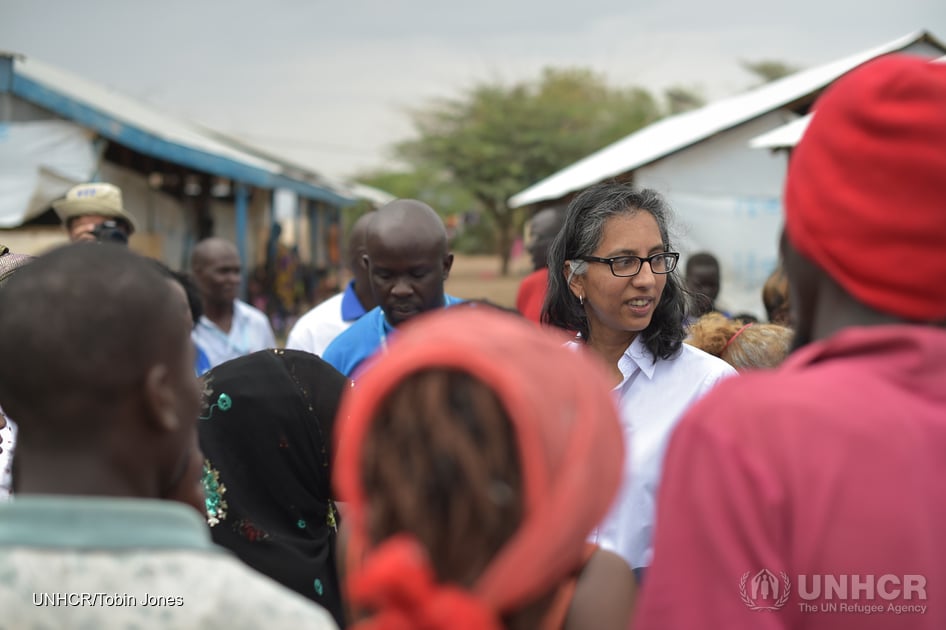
[[678, 132], [787, 136], [152, 132], [348, 188]]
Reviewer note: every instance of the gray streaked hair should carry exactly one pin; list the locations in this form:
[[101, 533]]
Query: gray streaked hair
[[581, 235]]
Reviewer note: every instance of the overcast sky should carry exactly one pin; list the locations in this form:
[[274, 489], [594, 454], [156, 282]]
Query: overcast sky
[[327, 83]]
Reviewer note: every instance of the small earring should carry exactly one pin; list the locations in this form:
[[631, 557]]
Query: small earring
[[581, 300]]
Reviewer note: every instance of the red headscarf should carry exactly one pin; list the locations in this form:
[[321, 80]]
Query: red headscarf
[[571, 453], [865, 197]]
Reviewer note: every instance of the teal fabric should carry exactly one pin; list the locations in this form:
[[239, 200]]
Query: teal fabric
[[53, 522]]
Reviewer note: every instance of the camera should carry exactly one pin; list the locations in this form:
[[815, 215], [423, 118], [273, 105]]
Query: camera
[[110, 232]]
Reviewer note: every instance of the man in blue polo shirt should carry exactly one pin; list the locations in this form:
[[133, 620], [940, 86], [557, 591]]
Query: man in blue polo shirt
[[316, 329], [407, 262]]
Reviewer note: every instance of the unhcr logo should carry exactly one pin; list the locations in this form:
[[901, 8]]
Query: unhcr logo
[[842, 593], [764, 591]]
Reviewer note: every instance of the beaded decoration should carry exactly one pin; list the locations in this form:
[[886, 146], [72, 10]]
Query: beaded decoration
[[250, 531], [223, 403], [330, 518], [213, 491], [331, 515]]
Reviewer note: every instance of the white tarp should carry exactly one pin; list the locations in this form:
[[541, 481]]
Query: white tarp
[[39, 162], [747, 254]]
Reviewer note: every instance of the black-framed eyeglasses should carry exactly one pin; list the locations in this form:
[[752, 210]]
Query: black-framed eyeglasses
[[627, 266]]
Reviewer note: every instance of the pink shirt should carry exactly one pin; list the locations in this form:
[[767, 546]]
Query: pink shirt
[[828, 476]]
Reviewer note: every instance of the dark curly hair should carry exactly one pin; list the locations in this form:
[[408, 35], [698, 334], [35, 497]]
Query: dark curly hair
[[580, 236], [441, 462]]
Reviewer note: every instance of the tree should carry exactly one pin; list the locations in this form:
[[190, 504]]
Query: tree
[[437, 189], [494, 140], [768, 70], [682, 99], [434, 187]]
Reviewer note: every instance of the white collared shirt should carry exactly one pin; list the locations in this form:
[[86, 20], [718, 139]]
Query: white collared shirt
[[319, 327], [250, 331], [652, 397]]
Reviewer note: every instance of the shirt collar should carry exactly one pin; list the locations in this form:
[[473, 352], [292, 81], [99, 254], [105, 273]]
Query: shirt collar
[[50, 521], [239, 316], [637, 357], [352, 307]]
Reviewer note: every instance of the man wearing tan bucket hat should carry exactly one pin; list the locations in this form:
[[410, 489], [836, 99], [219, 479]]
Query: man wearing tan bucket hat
[[93, 212]]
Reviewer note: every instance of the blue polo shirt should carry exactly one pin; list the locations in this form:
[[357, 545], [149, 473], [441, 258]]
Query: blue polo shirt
[[351, 305], [363, 339]]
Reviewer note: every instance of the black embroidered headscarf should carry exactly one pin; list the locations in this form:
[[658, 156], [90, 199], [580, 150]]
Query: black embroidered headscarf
[[266, 432]]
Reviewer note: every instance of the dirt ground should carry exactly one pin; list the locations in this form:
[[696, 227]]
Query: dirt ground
[[477, 277]]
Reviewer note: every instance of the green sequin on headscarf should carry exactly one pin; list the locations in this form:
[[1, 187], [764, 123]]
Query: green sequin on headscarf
[[213, 491]]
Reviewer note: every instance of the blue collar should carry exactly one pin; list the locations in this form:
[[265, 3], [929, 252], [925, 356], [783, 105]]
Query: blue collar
[[385, 328], [352, 307]]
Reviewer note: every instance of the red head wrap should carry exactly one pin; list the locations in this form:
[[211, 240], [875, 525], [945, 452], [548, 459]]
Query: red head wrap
[[865, 197], [570, 448]]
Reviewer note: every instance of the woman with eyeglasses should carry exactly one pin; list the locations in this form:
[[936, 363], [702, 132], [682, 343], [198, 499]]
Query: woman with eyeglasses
[[612, 279]]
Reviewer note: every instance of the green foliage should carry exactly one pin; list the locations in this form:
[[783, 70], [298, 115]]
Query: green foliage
[[451, 201], [768, 70], [494, 140], [682, 99], [472, 152], [432, 187]]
